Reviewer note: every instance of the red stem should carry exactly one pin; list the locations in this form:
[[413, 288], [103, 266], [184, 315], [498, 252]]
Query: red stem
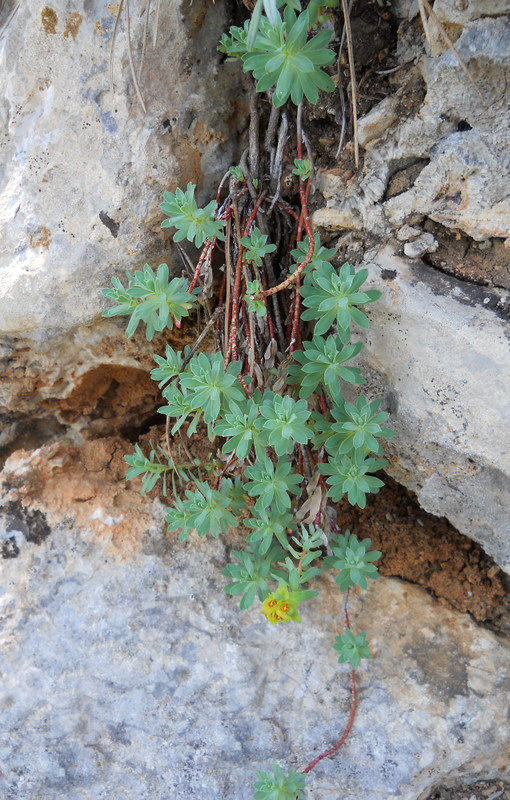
[[348, 727], [345, 734], [198, 267], [232, 342], [305, 220]]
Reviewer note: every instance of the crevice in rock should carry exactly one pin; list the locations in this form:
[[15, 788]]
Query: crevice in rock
[[403, 175], [485, 789], [481, 263], [426, 550]]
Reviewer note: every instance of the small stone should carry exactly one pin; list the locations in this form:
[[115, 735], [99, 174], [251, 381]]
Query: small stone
[[373, 124], [407, 232], [423, 244]]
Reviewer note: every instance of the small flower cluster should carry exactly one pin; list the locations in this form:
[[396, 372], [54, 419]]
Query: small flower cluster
[[281, 606]]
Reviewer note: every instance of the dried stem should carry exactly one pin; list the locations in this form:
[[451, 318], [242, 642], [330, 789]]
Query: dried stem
[[130, 57], [350, 52]]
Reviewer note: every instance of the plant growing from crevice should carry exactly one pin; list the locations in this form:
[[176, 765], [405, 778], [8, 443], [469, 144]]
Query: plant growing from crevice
[[273, 396]]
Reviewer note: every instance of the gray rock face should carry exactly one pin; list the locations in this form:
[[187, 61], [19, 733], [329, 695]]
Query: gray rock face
[[437, 165], [83, 170], [439, 348], [132, 675]]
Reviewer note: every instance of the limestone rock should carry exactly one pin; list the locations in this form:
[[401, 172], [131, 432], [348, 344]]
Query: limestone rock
[[84, 170], [438, 350], [425, 243], [438, 347], [127, 672]]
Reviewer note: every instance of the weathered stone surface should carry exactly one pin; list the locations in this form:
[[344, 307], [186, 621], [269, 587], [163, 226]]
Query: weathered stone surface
[[127, 672], [84, 170], [439, 350], [435, 181]]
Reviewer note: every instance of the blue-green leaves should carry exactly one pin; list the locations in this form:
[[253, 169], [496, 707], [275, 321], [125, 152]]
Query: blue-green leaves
[[151, 298], [282, 422], [333, 297], [354, 560], [210, 385], [150, 469], [282, 57], [349, 475], [238, 427], [207, 510], [323, 361], [168, 367], [256, 247], [254, 299], [357, 427], [192, 223], [352, 648], [276, 785], [251, 574], [266, 525], [272, 485]]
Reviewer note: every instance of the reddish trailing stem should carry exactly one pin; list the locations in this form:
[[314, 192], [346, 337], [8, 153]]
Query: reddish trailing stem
[[231, 352], [348, 727], [203, 256]]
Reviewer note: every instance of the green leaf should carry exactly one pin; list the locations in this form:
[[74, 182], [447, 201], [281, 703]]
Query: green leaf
[[207, 510], [357, 427], [349, 475], [238, 424], [269, 524], [151, 470], [168, 367], [352, 648], [192, 223], [303, 168], [323, 361], [151, 298], [332, 297], [180, 404], [251, 573], [281, 56], [282, 422], [209, 386], [254, 298], [354, 560], [238, 174], [272, 485], [256, 247], [276, 785]]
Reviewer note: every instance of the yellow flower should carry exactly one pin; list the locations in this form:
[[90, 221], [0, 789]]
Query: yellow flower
[[269, 609], [281, 606]]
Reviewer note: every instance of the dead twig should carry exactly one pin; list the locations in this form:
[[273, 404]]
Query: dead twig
[[130, 53], [350, 53]]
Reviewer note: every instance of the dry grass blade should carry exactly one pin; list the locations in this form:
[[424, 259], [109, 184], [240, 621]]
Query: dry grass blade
[[130, 54], [424, 21], [354, 93], [145, 30], [158, 6], [130, 57], [114, 36], [424, 4]]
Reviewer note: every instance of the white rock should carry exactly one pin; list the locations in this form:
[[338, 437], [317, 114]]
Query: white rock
[[83, 171], [439, 354], [423, 244], [137, 677], [373, 124], [406, 232]]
